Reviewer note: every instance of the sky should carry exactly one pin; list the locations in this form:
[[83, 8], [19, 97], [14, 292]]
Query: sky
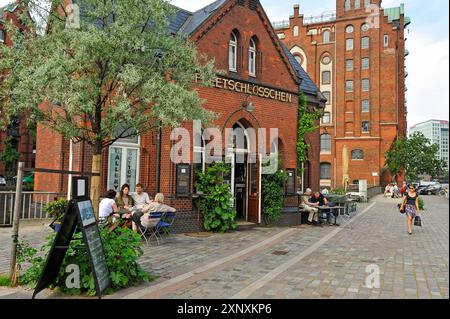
[[428, 44]]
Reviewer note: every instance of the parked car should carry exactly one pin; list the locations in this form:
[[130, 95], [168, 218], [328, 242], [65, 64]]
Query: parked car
[[2, 180], [431, 188], [27, 179]]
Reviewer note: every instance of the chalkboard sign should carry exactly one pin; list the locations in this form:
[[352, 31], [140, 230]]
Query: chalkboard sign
[[94, 245], [78, 213]]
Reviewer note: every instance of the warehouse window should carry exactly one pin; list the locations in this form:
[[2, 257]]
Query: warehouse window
[[365, 106], [295, 31], [365, 127], [327, 95], [357, 155], [232, 52], [348, 5], [357, 4], [349, 44], [326, 119], [326, 36], [325, 171], [325, 143], [365, 42], [365, 84], [365, 63], [349, 86], [349, 65], [349, 29]]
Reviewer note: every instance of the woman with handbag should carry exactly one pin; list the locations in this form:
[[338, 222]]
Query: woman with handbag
[[410, 206]]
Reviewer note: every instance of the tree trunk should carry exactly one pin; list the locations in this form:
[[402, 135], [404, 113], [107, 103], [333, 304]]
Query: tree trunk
[[96, 181]]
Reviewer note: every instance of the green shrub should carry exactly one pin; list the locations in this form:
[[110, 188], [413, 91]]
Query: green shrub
[[421, 204], [337, 191], [123, 248], [217, 203], [4, 281], [57, 208], [273, 195]]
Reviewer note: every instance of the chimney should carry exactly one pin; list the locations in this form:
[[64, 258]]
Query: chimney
[[296, 10]]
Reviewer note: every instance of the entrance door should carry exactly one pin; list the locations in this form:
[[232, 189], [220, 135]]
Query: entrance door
[[254, 191]]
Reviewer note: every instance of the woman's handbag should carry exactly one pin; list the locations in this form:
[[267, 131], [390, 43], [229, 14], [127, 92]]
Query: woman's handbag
[[418, 221], [400, 208]]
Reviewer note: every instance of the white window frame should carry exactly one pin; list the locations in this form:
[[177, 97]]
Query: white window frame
[[347, 86], [347, 65], [347, 5], [349, 47], [364, 45], [125, 146], [252, 58], [365, 66], [357, 4], [326, 36], [328, 117], [349, 29], [295, 31], [232, 53], [362, 85], [362, 106]]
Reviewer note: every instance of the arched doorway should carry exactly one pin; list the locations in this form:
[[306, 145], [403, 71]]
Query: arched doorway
[[245, 179]]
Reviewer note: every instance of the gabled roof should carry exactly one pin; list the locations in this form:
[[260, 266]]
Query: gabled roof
[[198, 17]]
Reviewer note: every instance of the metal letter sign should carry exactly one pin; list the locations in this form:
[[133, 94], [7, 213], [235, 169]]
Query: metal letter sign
[[78, 213]]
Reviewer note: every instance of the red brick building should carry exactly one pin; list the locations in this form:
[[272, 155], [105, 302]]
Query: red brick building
[[356, 55], [259, 89], [21, 139]]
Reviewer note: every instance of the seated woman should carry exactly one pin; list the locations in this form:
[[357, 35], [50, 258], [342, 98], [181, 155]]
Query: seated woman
[[156, 206], [108, 206], [125, 203]]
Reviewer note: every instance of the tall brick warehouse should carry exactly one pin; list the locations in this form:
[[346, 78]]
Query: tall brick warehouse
[[356, 55], [259, 89]]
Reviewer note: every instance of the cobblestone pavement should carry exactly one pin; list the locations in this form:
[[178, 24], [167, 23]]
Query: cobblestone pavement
[[302, 262]]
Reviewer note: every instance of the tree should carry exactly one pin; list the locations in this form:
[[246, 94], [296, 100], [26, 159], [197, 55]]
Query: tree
[[415, 156], [119, 74], [9, 155]]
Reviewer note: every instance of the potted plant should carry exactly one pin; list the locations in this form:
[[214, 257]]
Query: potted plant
[[56, 210]]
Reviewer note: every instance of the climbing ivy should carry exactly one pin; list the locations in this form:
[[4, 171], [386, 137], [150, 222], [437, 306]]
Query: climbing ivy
[[306, 124]]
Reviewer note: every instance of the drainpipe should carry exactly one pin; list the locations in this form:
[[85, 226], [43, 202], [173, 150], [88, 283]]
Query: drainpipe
[[69, 186], [158, 159]]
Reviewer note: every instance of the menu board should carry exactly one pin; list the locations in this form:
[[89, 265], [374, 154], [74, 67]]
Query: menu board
[[97, 256], [183, 185], [79, 212]]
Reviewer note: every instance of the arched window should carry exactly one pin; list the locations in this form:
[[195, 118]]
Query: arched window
[[325, 143], [2, 36], [232, 52], [295, 31], [325, 171], [326, 36], [252, 58], [349, 29], [357, 155]]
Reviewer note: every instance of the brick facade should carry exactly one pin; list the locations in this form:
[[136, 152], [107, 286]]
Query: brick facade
[[307, 39], [211, 38]]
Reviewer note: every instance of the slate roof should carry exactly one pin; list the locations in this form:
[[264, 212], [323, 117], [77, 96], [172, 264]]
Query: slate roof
[[306, 85], [200, 16]]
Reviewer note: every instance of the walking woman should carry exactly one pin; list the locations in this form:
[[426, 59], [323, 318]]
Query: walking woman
[[410, 205]]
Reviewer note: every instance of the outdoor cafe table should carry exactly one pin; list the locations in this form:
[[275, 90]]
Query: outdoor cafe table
[[333, 211]]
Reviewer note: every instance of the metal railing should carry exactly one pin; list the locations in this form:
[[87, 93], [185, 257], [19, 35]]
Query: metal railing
[[32, 205], [277, 25], [329, 17]]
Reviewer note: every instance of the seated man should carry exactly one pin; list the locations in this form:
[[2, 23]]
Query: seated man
[[307, 206], [319, 200], [157, 206], [140, 197]]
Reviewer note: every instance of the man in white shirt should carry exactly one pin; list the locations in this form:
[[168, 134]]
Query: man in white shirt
[[140, 197]]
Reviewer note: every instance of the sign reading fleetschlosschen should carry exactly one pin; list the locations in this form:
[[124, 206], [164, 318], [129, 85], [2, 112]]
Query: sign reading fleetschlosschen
[[252, 89]]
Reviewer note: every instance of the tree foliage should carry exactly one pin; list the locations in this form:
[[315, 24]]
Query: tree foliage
[[272, 195], [415, 156], [9, 155], [120, 73], [307, 123]]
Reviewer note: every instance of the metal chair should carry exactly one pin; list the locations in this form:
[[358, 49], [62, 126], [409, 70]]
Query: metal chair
[[152, 229], [166, 222]]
